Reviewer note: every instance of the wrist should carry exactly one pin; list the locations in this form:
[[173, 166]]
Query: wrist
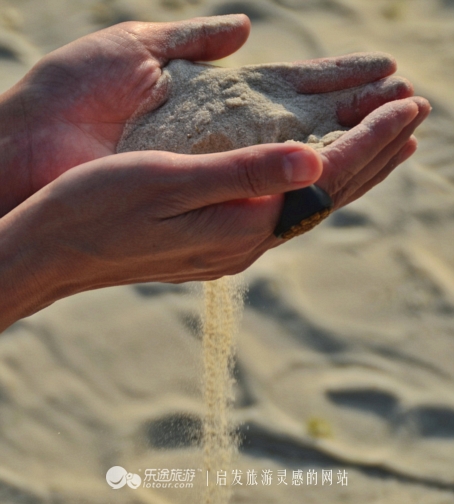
[[29, 271]]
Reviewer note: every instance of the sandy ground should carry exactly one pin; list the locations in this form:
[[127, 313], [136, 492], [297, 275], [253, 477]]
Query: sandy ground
[[345, 358]]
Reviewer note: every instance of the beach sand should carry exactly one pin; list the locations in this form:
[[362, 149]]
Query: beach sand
[[212, 109], [345, 351]]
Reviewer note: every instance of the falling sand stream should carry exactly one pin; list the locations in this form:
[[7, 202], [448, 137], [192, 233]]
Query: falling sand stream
[[223, 302]]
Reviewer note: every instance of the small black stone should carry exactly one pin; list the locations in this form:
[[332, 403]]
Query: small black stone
[[300, 205]]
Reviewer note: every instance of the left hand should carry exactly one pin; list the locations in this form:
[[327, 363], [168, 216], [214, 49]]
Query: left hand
[[71, 108]]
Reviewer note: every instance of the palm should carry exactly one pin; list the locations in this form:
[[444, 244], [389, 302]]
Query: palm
[[86, 93]]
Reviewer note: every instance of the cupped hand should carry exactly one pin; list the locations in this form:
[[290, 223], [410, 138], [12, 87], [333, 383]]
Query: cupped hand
[[151, 216], [71, 108]]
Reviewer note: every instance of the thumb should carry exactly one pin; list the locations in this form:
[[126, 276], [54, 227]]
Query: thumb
[[197, 39], [245, 173]]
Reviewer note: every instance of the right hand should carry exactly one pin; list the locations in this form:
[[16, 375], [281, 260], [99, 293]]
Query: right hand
[[156, 216]]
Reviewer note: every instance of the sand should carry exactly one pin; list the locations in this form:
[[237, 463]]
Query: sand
[[223, 304], [346, 346], [212, 109]]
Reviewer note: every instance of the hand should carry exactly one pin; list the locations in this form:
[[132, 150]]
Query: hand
[[72, 106], [145, 216]]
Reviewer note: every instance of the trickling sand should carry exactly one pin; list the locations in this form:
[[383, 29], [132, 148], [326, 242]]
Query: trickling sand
[[223, 306]]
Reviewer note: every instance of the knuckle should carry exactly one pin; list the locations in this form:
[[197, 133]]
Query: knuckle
[[205, 30], [340, 176], [352, 186], [342, 196], [250, 175]]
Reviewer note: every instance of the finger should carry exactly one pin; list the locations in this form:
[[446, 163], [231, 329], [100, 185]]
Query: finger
[[250, 172], [407, 151], [357, 105], [334, 74], [201, 39], [384, 157], [348, 155]]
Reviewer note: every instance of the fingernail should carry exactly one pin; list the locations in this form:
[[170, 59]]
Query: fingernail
[[301, 166], [414, 139]]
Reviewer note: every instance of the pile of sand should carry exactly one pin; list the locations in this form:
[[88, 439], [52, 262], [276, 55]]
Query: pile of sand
[[211, 109]]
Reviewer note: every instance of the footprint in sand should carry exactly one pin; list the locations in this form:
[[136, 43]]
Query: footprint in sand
[[432, 422], [373, 401], [173, 431], [376, 419], [422, 435]]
